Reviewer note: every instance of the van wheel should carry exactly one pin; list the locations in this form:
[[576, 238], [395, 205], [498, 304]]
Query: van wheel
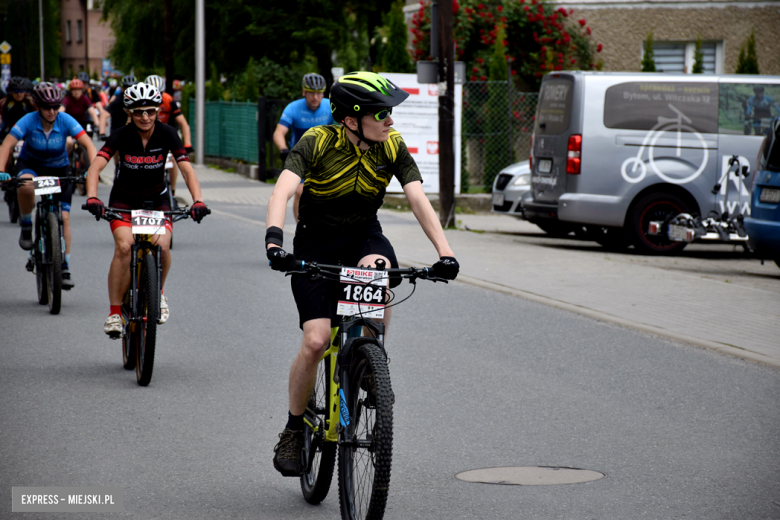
[[554, 228], [655, 207], [613, 239]]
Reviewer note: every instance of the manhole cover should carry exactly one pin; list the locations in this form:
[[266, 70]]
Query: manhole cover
[[530, 476]]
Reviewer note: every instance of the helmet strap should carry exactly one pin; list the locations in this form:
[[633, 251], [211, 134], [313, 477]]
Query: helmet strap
[[359, 133]]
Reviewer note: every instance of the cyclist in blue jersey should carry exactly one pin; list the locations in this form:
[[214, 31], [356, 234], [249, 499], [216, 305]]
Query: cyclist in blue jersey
[[760, 107], [299, 116], [43, 155]]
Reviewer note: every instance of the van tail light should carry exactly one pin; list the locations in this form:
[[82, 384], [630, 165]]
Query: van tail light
[[531, 156], [573, 154]]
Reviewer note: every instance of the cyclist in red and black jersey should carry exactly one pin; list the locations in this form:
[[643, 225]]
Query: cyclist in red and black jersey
[[142, 146], [12, 108]]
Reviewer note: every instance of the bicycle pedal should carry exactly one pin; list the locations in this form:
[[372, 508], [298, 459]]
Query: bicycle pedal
[[30, 266], [115, 335]]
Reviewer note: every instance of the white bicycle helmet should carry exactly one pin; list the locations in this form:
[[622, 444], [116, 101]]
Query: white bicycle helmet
[[156, 81], [142, 95]]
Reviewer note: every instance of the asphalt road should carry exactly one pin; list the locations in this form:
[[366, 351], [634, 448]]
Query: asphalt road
[[481, 380]]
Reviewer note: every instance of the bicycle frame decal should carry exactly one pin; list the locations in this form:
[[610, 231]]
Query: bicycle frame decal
[[147, 222], [344, 417], [47, 185]]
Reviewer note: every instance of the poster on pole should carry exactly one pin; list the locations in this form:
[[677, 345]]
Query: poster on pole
[[417, 119]]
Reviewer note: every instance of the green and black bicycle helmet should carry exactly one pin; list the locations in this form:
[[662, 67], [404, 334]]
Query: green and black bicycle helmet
[[313, 82], [359, 93]]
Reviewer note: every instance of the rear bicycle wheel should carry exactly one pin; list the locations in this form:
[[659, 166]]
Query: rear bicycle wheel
[[146, 329], [54, 267], [319, 457], [365, 455]]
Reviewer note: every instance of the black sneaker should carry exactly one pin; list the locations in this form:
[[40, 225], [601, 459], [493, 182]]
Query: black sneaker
[[67, 283], [287, 457], [25, 239]]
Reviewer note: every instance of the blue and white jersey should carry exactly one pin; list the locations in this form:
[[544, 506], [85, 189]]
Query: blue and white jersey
[[46, 150], [298, 117]]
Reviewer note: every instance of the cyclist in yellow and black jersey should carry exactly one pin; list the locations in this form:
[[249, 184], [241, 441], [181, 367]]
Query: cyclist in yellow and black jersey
[[346, 169]]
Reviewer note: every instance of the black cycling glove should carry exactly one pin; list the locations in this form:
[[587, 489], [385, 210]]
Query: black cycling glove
[[447, 267], [283, 154], [198, 211], [189, 150], [280, 259], [96, 207]]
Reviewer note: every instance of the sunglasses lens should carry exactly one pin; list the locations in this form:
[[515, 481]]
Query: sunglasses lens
[[381, 116]]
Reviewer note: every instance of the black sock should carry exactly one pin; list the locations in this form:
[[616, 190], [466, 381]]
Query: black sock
[[294, 422]]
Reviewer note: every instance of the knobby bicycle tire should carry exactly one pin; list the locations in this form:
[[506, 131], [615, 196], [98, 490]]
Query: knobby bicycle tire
[[146, 330], [128, 338], [54, 267], [13, 206], [315, 483], [41, 275], [365, 456]]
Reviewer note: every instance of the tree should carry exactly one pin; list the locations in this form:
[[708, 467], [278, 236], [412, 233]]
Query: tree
[[698, 58], [648, 60], [391, 39], [539, 37], [747, 62], [19, 25]]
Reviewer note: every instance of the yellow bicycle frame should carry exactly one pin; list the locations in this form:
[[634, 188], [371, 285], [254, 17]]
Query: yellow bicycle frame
[[332, 421]]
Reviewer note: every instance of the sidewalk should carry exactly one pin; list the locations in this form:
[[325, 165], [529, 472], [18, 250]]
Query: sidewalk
[[648, 294]]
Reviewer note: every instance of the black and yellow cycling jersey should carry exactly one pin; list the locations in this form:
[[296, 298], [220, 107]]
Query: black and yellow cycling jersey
[[342, 183]]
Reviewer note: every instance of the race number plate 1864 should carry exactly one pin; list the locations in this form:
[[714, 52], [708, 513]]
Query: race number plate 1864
[[47, 185], [362, 292], [147, 222]]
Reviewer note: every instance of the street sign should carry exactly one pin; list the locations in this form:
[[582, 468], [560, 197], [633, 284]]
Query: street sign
[[5, 47]]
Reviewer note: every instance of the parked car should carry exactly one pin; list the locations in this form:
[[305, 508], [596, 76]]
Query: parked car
[[763, 224], [613, 152], [509, 187]]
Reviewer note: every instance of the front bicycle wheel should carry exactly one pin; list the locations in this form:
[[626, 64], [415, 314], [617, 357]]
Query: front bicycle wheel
[[54, 267], [41, 275], [365, 454], [149, 310], [128, 334], [319, 457]]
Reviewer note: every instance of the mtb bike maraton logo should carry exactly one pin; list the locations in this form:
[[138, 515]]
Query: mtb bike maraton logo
[[674, 129]]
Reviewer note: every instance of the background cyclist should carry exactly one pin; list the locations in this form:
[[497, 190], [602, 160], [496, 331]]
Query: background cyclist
[[78, 105], [142, 145], [116, 111], [300, 115], [171, 114], [16, 105], [346, 168], [43, 155]]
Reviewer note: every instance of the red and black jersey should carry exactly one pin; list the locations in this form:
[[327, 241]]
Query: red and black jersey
[[141, 170]]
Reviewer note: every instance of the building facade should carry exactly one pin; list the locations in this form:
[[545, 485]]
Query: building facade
[[86, 40], [723, 26]]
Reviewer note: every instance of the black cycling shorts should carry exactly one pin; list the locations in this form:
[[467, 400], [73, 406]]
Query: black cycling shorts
[[123, 200], [317, 298], [65, 197]]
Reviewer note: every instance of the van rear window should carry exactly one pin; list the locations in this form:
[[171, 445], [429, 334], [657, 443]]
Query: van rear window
[[554, 109], [639, 105]]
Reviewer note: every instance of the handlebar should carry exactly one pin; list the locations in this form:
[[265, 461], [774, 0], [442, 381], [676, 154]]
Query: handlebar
[[410, 273], [16, 181], [115, 213]]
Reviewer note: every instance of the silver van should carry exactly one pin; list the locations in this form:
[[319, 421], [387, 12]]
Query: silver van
[[615, 151]]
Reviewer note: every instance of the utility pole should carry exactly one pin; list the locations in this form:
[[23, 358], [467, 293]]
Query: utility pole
[[446, 116], [200, 80], [168, 46], [40, 30]]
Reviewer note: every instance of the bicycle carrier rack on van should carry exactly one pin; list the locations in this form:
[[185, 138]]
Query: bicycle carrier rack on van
[[724, 227]]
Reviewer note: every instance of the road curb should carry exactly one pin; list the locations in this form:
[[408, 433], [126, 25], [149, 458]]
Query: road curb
[[741, 353]]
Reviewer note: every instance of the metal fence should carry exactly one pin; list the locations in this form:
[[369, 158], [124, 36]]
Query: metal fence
[[231, 129], [496, 131]]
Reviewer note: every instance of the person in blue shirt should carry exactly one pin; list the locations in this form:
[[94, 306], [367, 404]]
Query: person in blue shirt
[[760, 107], [300, 115], [44, 155]]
